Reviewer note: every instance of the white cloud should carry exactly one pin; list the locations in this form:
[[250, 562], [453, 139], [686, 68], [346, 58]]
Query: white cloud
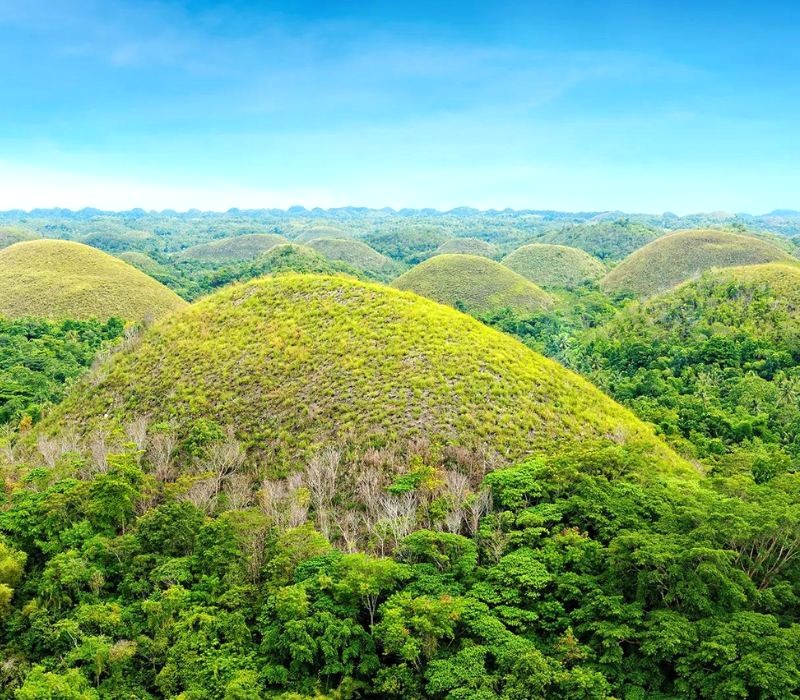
[[24, 187]]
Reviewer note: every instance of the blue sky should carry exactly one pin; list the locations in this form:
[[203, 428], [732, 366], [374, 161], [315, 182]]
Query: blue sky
[[680, 106]]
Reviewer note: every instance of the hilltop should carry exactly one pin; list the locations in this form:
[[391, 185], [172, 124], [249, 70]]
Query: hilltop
[[354, 253], [297, 362], [468, 246], [606, 240], [673, 259], [306, 234], [550, 265], [473, 284], [62, 279], [245, 247]]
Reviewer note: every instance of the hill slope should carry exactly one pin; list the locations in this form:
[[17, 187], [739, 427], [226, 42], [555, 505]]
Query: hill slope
[[298, 362], [9, 235], [354, 253], [244, 247], [673, 259], [714, 362], [473, 284], [551, 265], [606, 240], [62, 279], [468, 246]]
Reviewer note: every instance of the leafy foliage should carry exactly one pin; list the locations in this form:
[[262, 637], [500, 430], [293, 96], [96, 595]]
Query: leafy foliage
[[39, 359]]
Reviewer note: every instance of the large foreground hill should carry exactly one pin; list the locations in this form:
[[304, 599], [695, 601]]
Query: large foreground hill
[[298, 362]]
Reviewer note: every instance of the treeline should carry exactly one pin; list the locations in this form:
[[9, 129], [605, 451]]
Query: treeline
[[577, 576]]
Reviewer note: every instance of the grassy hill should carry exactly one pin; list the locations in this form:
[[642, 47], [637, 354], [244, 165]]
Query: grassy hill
[[244, 247], [143, 262], [62, 279], [468, 246], [9, 235], [606, 240], [355, 253], [306, 234], [551, 265], [681, 256], [297, 362], [473, 284]]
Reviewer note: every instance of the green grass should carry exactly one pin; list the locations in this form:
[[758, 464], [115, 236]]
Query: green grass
[[468, 246], [9, 235], [354, 253], [310, 233], [62, 279], [297, 362], [550, 265], [143, 262], [606, 240], [473, 284], [245, 247], [682, 256]]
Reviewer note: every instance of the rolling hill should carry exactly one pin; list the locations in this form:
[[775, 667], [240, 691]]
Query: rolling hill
[[473, 284], [355, 253], [306, 234], [681, 256], [468, 246], [238, 248], [606, 240], [61, 279], [298, 362], [143, 262], [550, 265], [9, 235]]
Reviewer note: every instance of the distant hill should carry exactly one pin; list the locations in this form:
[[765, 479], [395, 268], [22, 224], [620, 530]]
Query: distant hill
[[239, 248], [113, 239], [143, 262], [468, 246], [298, 362], [62, 279], [550, 265], [306, 234], [678, 257], [355, 253], [473, 284], [606, 240], [9, 235]]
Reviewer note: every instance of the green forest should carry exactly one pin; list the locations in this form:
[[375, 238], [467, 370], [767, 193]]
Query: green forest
[[343, 454]]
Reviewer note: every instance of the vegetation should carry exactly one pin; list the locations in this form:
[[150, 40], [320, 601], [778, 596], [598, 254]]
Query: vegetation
[[554, 265], [473, 284], [314, 487], [561, 577], [468, 246], [606, 240], [61, 279], [9, 235], [245, 247], [293, 363], [356, 254], [667, 262], [39, 359], [713, 363]]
